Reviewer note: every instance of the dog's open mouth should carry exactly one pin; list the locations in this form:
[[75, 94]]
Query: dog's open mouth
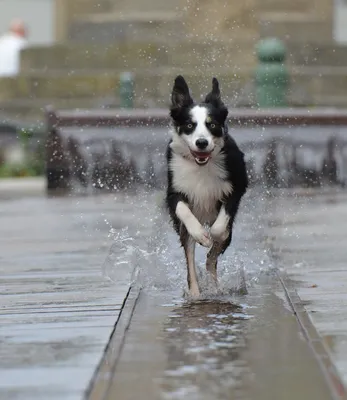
[[201, 157]]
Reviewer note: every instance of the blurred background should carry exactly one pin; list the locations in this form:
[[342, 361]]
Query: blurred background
[[111, 54], [77, 49]]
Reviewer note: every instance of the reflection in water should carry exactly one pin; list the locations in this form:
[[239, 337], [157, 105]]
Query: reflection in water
[[211, 349], [204, 342]]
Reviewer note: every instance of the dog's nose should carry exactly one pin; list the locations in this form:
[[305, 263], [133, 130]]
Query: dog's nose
[[201, 144]]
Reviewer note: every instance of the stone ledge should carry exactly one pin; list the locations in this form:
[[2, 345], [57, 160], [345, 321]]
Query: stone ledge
[[288, 17], [312, 54], [136, 56], [130, 17], [156, 82], [30, 93], [88, 7], [152, 84], [314, 31], [22, 186]]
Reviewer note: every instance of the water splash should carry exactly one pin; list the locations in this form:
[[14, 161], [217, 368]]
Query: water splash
[[149, 254]]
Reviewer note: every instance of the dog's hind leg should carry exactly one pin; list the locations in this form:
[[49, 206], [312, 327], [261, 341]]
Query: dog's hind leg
[[188, 244], [212, 258], [217, 249]]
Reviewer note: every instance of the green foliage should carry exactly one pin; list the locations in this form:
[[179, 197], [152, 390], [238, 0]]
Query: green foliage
[[34, 165]]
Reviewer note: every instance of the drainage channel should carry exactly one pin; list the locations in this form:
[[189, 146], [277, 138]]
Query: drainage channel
[[245, 348]]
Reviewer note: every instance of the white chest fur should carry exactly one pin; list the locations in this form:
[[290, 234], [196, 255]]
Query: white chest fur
[[203, 185]]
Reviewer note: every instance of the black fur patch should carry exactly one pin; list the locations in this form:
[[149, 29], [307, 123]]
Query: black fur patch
[[234, 163]]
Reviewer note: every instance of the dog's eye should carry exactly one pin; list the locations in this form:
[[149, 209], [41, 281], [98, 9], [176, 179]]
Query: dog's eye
[[213, 126], [189, 126]]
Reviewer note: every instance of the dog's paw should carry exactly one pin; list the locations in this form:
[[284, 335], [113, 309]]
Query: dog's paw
[[219, 233], [201, 236], [194, 292]]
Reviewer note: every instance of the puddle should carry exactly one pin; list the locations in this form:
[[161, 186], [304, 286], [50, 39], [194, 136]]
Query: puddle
[[246, 347], [203, 344], [223, 346]]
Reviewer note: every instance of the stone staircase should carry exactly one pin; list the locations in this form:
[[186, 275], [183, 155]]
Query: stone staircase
[[128, 19], [158, 39]]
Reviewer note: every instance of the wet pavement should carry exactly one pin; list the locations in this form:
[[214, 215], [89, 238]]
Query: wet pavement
[[57, 309], [218, 349], [66, 265], [308, 235], [225, 346]]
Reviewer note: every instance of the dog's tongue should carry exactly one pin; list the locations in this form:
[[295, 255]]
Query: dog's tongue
[[201, 157], [201, 154]]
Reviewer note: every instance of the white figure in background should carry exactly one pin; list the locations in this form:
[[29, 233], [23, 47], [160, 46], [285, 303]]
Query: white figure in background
[[11, 44]]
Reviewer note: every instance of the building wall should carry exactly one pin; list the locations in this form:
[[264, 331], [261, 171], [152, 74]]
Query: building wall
[[46, 24], [340, 21], [38, 15]]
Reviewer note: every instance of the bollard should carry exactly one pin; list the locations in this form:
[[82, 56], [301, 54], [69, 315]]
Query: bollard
[[126, 90], [58, 171], [271, 74]]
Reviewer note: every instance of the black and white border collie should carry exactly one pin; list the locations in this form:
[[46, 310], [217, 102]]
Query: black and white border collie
[[206, 176]]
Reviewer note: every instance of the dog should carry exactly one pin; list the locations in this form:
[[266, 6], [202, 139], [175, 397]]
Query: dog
[[206, 176]]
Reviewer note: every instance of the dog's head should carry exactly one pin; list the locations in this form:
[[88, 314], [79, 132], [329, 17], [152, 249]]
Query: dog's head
[[198, 128]]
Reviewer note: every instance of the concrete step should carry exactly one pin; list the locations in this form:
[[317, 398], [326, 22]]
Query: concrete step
[[310, 86], [286, 6], [300, 28], [88, 7], [135, 56], [125, 6], [313, 54], [155, 83], [143, 26]]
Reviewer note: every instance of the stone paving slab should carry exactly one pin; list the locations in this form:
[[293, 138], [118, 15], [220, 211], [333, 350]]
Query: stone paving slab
[[57, 310], [22, 186], [309, 239], [222, 347], [249, 348]]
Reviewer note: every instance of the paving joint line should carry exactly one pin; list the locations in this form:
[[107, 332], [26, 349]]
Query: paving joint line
[[314, 339], [101, 380]]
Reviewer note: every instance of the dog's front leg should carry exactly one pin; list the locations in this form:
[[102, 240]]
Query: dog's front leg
[[220, 229], [191, 232], [188, 244], [193, 226]]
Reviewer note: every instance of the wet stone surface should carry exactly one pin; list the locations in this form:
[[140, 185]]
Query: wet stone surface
[[57, 309], [308, 235], [65, 267], [225, 345], [242, 348]]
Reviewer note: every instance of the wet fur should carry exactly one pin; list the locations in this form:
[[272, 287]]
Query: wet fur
[[199, 195]]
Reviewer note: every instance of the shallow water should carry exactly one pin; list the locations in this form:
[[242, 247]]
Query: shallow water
[[224, 345], [153, 256], [239, 348]]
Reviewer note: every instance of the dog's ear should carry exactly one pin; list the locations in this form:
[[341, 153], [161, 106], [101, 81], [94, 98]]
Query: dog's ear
[[214, 96], [180, 96]]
